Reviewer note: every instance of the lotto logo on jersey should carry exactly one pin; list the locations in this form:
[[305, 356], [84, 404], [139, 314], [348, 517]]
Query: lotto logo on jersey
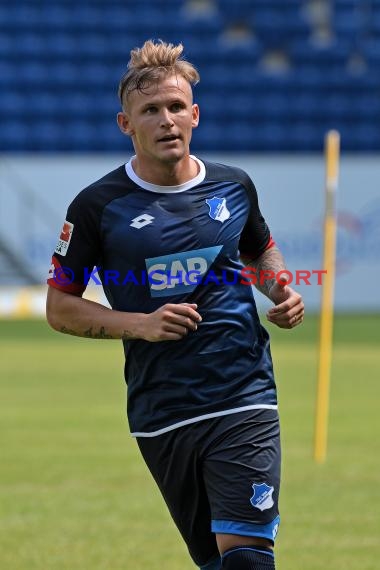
[[64, 238], [180, 272]]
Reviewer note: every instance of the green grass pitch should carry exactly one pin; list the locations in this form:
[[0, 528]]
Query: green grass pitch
[[75, 495]]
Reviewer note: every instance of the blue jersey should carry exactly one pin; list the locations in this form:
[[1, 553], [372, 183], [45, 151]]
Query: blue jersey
[[153, 245]]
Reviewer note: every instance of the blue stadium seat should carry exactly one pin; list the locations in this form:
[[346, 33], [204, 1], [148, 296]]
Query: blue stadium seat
[[80, 135], [342, 5], [337, 106], [93, 46], [268, 136], [200, 48], [273, 106], [305, 135], [47, 135], [334, 55], [348, 27], [64, 75], [14, 135], [12, 102], [29, 45], [363, 137], [277, 29], [235, 11], [112, 138], [55, 16], [211, 135], [6, 45], [371, 53], [62, 45], [239, 53], [42, 104], [8, 73], [367, 107], [16, 16], [374, 23], [304, 106], [28, 74]]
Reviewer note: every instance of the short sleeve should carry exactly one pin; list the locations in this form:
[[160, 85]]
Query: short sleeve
[[255, 237], [77, 250]]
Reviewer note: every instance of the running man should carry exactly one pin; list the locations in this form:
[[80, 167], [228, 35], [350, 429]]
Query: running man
[[169, 235]]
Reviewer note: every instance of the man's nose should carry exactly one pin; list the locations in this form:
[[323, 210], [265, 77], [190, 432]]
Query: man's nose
[[166, 118]]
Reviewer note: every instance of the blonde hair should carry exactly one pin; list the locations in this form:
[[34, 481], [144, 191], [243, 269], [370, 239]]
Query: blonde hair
[[153, 62]]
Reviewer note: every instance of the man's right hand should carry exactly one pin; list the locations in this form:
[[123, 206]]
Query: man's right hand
[[170, 322]]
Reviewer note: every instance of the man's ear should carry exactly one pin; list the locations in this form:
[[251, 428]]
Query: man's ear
[[124, 124], [195, 115]]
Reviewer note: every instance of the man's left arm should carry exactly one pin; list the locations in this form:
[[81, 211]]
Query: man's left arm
[[288, 311]]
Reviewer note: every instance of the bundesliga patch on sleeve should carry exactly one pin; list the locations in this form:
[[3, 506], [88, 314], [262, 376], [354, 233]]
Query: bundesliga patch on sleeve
[[64, 238]]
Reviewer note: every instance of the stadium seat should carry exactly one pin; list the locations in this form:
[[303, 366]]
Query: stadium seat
[[367, 107], [277, 29], [42, 104], [235, 11], [371, 53], [335, 53], [83, 134], [12, 102], [29, 45], [47, 135], [6, 44], [239, 53], [14, 135], [55, 16], [364, 137]]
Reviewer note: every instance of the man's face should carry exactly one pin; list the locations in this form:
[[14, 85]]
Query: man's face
[[160, 120]]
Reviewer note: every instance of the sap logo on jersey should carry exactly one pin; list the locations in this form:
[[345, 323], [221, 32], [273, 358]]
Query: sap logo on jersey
[[179, 273]]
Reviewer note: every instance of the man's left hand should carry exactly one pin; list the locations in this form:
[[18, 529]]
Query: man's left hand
[[289, 308]]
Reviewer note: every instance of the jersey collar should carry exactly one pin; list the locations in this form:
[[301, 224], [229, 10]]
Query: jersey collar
[[167, 189]]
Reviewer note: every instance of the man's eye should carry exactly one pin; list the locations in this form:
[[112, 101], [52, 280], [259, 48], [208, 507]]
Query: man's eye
[[177, 107], [150, 110]]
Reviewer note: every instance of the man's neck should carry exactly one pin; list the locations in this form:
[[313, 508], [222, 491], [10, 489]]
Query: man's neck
[[166, 174]]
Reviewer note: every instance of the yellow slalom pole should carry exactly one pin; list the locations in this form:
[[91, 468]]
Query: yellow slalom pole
[[332, 152]]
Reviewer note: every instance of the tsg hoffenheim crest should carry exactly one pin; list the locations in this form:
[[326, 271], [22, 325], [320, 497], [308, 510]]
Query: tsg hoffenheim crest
[[218, 209], [262, 496]]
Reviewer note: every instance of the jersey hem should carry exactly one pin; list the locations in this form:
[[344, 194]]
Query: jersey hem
[[204, 417]]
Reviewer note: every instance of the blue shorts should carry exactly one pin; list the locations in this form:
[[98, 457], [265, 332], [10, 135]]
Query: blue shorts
[[220, 475]]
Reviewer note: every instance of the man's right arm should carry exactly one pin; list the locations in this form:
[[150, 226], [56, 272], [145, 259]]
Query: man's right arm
[[71, 314]]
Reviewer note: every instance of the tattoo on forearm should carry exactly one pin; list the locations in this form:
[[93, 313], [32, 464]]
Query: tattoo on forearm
[[102, 333], [126, 335], [271, 261], [65, 330]]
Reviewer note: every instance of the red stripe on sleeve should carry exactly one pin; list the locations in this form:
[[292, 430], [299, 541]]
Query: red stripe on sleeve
[[251, 256], [62, 278], [271, 243]]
